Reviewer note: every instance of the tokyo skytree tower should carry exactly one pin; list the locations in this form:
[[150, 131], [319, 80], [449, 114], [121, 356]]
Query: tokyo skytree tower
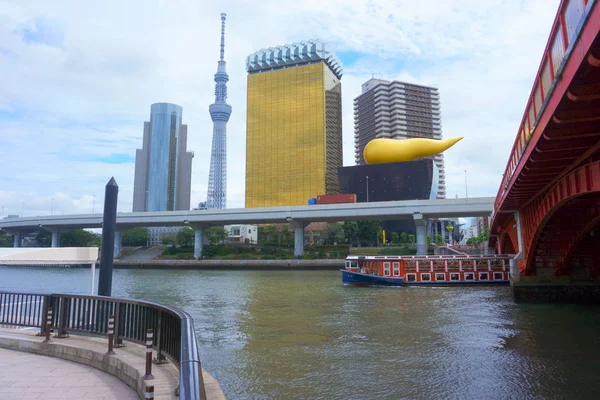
[[219, 113]]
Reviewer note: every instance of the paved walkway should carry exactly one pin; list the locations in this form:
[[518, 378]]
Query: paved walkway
[[32, 376]]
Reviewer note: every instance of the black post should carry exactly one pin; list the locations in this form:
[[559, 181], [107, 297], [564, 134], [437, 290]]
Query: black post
[[109, 222]]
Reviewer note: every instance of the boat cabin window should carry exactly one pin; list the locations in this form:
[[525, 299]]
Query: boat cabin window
[[353, 264], [425, 277], [484, 276], [440, 277], [386, 269], [396, 266], [411, 277], [455, 277], [469, 276], [498, 276]]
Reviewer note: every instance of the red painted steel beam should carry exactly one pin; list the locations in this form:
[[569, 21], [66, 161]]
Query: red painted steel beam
[[577, 56], [537, 216]]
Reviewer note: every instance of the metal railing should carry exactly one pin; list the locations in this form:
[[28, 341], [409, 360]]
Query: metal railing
[[174, 329]]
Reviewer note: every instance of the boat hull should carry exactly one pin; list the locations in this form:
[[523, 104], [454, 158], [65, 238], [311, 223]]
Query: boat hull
[[359, 279]]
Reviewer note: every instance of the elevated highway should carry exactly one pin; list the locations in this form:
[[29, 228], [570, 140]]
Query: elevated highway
[[299, 216]]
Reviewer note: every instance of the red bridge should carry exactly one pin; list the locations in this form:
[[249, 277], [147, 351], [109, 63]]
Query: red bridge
[[547, 210]]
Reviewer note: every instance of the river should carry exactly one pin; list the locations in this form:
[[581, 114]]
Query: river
[[302, 335]]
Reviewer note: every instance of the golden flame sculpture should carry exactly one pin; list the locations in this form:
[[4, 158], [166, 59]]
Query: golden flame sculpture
[[382, 151]]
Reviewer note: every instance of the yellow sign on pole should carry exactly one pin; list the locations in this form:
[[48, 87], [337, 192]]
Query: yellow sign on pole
[[449, 227]]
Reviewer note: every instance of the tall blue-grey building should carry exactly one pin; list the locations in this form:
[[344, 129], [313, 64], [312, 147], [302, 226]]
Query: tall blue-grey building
[[163, 166], [219, 112]]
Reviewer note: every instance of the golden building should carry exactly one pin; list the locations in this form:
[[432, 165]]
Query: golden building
[[294, 124]]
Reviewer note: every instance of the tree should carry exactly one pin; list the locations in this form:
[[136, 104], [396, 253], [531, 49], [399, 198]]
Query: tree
[[6, 241], [79, 238], [334, 233], [287, 236], [350, 229], [43, 238], [412, 239], [369, 232], [169, 240], [429, 240], [135, 237], [395, 238], [215, 235], [185, 237], [268, 235], [439, 240], [404, 237]]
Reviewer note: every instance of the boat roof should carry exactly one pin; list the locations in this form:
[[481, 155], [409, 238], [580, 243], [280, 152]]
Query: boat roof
[[440, 257]]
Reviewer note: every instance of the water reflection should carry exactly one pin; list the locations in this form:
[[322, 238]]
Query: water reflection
[[288, 335]]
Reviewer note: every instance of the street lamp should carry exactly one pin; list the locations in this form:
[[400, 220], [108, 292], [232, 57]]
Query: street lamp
[[367, 188]]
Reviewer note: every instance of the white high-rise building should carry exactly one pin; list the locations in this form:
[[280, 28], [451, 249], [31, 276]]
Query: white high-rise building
[[398, 110]]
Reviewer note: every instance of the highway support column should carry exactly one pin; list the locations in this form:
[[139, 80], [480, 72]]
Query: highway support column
[[55, 238], [421, 230], [298, 238], [118, 241], [17, 239], [198, 241]]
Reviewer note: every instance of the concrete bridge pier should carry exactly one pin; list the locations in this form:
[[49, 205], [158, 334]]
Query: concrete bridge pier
[[117, 247], [17, 239], [421, 227], [198, 241], [299, 237], [56, 238]]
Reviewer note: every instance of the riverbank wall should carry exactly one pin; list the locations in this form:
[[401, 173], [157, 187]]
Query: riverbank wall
[[326, 264]]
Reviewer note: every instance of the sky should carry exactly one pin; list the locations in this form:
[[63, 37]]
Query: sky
[[78, 78]]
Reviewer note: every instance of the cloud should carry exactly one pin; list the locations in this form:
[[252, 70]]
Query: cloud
[[79, 78]]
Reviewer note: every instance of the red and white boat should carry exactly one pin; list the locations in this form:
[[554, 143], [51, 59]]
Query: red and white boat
[[426, 270]]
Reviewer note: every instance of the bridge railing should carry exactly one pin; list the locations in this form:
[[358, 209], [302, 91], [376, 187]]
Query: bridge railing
[[568, 23], [173, 328]]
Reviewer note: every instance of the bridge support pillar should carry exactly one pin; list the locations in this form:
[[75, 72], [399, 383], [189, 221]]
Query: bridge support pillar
[[117, 248], [421, 228], [17, 240], [298, 238], [198, 242], [56, 238]]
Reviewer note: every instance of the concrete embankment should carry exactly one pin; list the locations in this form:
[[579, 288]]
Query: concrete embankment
[[233, 264]]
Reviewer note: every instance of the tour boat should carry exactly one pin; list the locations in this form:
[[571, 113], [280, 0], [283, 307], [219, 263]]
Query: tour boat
[[426, 270]]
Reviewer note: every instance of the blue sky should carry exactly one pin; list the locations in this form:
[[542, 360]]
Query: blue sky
[[79, 78]]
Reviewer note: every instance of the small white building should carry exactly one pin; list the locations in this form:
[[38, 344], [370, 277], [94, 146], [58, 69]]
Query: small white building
[[242, 233], [470, 232]]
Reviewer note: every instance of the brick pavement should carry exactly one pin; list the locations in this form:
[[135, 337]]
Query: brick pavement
[[32, 376]]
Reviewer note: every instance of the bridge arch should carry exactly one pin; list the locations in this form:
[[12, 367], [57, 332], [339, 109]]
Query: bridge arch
[[508, 238], [555, 225]]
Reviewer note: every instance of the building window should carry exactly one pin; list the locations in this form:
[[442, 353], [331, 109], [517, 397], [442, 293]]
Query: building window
[[425, 277], [455, 277], [396, 266], [440, 277]]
